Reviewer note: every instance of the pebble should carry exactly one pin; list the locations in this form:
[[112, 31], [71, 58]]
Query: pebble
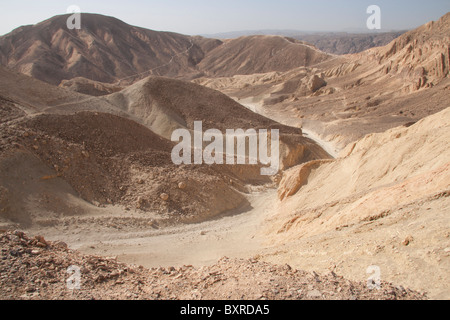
[[41, 240], [407, 240], [164, 196], [18, 233], [314, 294]]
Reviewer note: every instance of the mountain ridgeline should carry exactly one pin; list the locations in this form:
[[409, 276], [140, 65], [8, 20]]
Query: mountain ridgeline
[[108, 50]]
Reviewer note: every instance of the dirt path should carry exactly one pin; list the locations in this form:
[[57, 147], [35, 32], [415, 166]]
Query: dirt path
[[289, 120], [328, 146], [197, 244]]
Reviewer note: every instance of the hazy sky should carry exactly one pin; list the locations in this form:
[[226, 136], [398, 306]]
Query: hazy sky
[[203, 17]]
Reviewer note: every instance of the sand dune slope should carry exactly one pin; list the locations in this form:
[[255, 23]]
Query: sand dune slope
[[393, 187]]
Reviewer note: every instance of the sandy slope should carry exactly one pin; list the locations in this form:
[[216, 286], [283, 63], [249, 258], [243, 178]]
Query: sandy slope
[[384, 189], [285, 118], [384, 200]]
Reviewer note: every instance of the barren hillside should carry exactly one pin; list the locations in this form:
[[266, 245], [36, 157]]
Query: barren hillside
[[105, 49], [116, 150], [108, 50], [344, 98], [387, 201], [260, 54], [348, 43]]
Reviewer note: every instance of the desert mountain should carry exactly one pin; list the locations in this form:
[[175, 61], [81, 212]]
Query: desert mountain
[[106, 150], [105, 49], [348, 43], [329, 42], [260, 54], [108, 50], [349, 96]]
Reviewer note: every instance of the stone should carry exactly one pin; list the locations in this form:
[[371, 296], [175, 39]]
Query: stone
[[164, 196], [41, 240], [314, 294], [60, 244], [295, 178], [316, 82], [407, 240], [182, 185], [19, 234], [140, 202]]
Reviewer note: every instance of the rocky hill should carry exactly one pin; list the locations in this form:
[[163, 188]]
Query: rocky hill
[[348, 43], [105, 49], [260, 54], [116, 150], [89, 163], [347, 97], [108, 50]]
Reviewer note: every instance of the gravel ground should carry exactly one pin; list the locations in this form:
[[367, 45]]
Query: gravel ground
[[34, 268]]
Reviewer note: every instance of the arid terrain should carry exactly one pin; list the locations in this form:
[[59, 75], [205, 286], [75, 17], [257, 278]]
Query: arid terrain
[[86, 176], [330, 42]]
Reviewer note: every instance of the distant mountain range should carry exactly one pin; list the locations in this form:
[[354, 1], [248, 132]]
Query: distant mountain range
[[329, 42]]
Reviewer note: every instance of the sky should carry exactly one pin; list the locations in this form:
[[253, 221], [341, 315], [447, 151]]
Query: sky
[[193, 17]]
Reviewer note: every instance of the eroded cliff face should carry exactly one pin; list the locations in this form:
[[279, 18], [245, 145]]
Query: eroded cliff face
[[399, 166]]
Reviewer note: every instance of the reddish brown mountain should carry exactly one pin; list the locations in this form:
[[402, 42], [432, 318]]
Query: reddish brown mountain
[[106, 49], [260, 54]]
